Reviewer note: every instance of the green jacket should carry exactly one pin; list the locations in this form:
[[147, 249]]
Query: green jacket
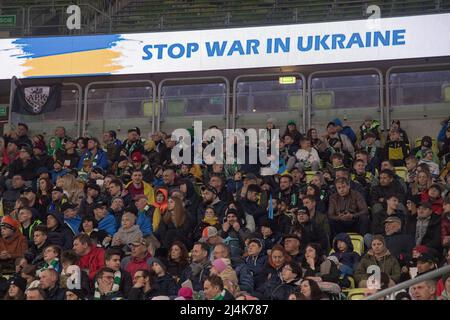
[[387, 263]]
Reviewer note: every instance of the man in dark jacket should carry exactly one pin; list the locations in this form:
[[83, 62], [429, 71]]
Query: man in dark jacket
[[256, 260], [58, 232], [287, 191], [399, 244], [144, 286], [200, 267], [68, 157], [112, 260], [105, 285], [425, 227], [35, 253], [164, 282], [348, 210], [12, 192], [293, 246], [92, 191], [311, 232], [210, 198], [49, 282], [250, 203], [388, 185], [25, 165]]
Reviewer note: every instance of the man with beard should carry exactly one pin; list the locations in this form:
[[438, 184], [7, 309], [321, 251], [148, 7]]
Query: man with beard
[[287, 191], [132, 143], [210, 198]]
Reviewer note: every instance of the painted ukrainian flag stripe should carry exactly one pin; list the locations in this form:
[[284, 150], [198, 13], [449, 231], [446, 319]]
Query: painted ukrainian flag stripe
[[50, 46], [78, 63]]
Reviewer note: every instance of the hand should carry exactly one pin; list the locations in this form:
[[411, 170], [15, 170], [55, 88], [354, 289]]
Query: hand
[[310, 262], [380, 199], [236, 226], [139, 283], [347, 216], [405, 269], [316, 279], [265, 187], [225, 226]]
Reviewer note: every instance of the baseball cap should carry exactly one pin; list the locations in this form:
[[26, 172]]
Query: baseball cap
[[426, 204], [426, 257], [210, 188], [303, 210], [99, 204], [67, 205], [208, 232], [138, 243], [59, 189], [392, 219], [98, 170], [26, 189]]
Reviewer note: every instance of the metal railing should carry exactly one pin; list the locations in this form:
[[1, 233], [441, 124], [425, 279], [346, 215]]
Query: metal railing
[[424, 277]]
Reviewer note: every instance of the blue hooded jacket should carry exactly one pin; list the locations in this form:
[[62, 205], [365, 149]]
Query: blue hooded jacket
[[73, 224], [348, 258], [108, 224], [144, 221]]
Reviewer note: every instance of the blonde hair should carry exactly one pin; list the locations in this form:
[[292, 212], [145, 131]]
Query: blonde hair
[[131, 216], [74, 190]]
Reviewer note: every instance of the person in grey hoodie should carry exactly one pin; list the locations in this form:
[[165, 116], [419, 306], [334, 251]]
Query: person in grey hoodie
[[129, 232]]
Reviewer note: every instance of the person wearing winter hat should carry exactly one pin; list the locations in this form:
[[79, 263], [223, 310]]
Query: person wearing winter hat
[[12, 244], [222, 268], [165, 282], [186, 293], [16, 290]]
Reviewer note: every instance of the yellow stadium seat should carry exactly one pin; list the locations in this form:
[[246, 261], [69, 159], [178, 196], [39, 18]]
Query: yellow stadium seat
[[356, 294], [402, 172], [358, 242], [309, 175], [434, 145]]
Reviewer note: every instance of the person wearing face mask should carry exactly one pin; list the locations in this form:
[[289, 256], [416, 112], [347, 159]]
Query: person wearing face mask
[[380, 256]]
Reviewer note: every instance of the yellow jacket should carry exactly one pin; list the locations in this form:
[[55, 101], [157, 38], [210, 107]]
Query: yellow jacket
[[148, 191]]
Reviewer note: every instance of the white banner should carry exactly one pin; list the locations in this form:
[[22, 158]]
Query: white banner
[[256, 47]]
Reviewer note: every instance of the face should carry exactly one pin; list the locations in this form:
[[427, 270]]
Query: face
[[168, 177], [39, 238], [377, 246], [422, 178], [43, 185], [385, 179], [291, 245], [100, 213], [423, 267], [49, 254], [159, 197], [175, 252], [71, 296], [17, 182], [422, 291], [314, 134], [305, 289], [197, 253], [107, 280], [219, 252], [424, 212], [13, 290], [210, 291], [24, 155], [288, 140], [157, 268], [253, 249], [216, 182], [342, 246], [287, 274], [386, 165], [342, 189], [136, 177], [434, 193], [277, 258], [24, 215], [51, 222], [21, 131], [231, 219], [80, 144], [359, 167], [391, 228], [138, 250], [331, 130], [113, 262], [91, 144], [138, 275], [34, 295], [309, 204], [285, 184], [88, 225], [310, 252], [207, 196], [141, 203], [302, 217], [79, 247], [127, 222], [447, 283], [114, 189], [56, 196], [170, 204], [305, 144], [70, 213], [209, 213], [410, 164], [46, 280], [252, 196], [392, 203]]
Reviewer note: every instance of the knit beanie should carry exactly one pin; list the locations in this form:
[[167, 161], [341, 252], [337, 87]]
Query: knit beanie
[[220, 264]]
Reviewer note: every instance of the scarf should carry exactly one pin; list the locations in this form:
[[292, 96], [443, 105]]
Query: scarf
[[54, 264], [211, 221], [421, 229], [220, 296], [115, 288]]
